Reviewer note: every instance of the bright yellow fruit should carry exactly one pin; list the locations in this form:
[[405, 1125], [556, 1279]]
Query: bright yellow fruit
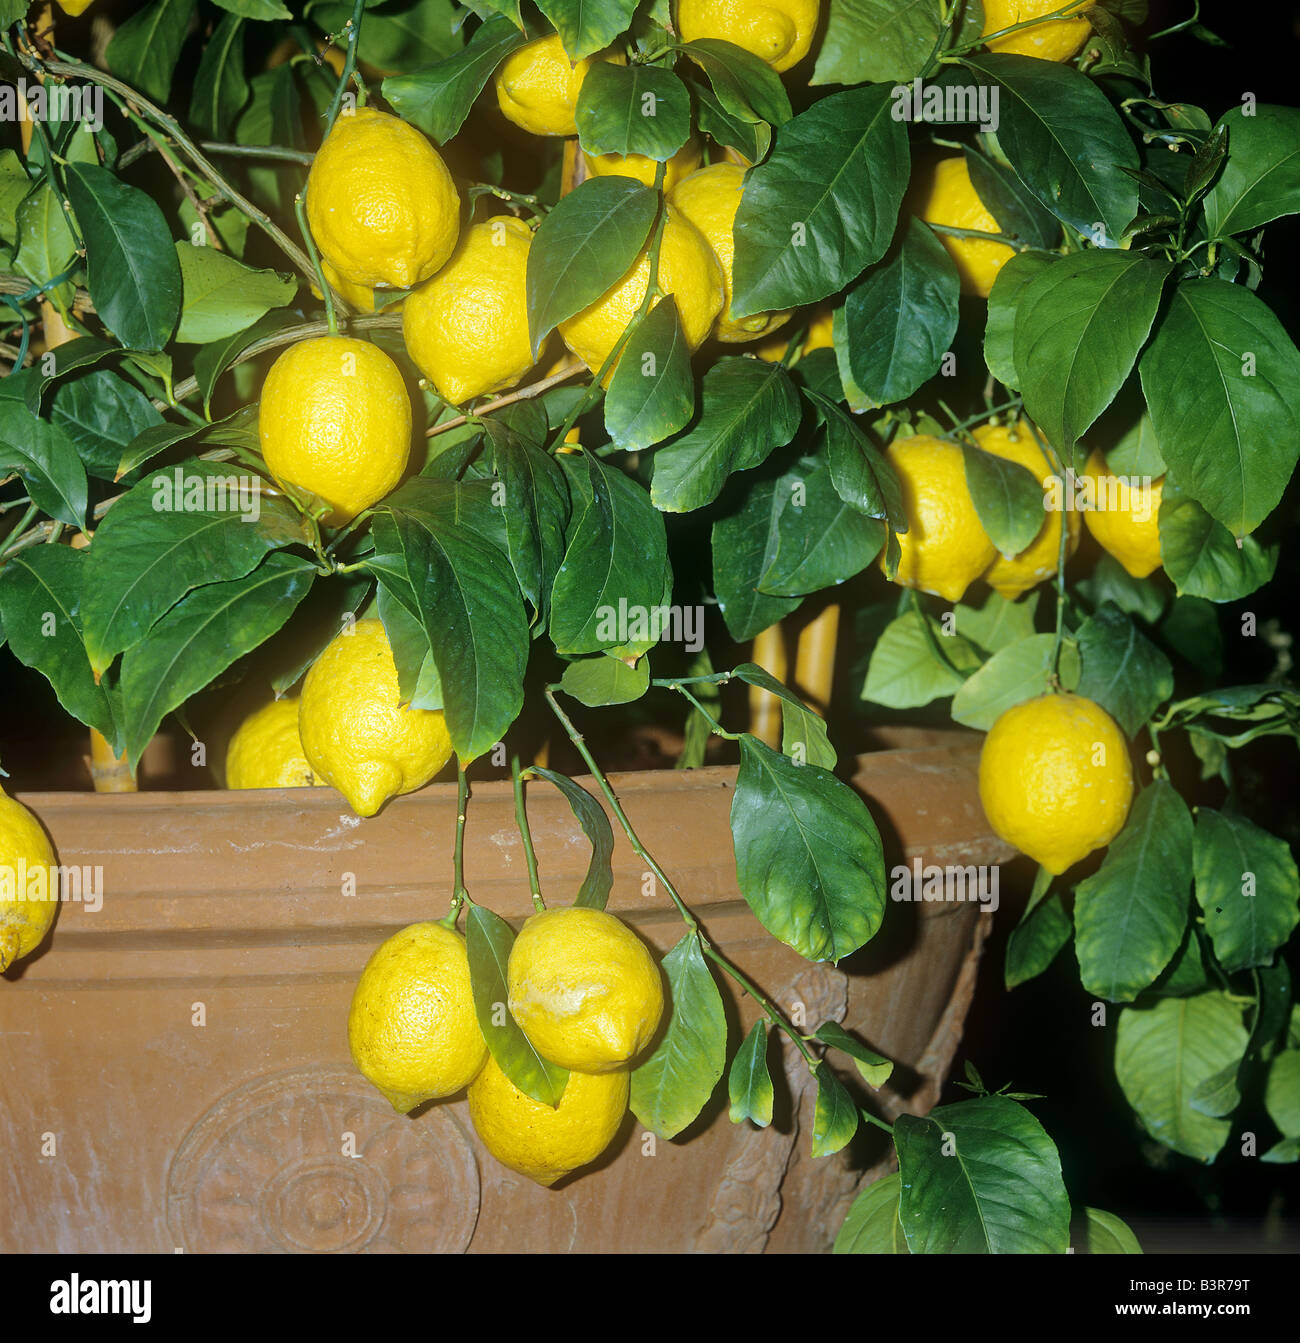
[[685, 161], [360, 296], [380, 201], [1130, 530], [1055, 40], [412, 1027], [75, 7], [1055, 779], [356, 733], [29, 896], [538, 86], [266, 751], [776, 31], [817, 337], [947, 196], [710, 198], [1015, 575], [687, 269], [335, 420], [467, 328], [542, 1143], [945, 548], [584, 989]]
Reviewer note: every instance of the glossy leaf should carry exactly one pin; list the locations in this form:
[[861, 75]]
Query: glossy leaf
[[1261, 179], [145, 49], [744, 86], [883, 41], [603, 679], [906, 671], [220, 87], [597, 884], [803, 733], [1011, 676], [1121, 669], [871, 1225], [652, 393], [221, 297], [633, 109], [1008, 499], [749, 1084], [875, 1069], [586, 26], [744, 543], [101, 413], [1004, 298], [46, 459], [835, 1117]]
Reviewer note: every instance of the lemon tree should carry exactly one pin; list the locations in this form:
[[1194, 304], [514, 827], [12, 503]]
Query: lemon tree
[[421, 362]]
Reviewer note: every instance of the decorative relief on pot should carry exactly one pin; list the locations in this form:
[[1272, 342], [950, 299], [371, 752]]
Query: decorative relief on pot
[[315, 1161]]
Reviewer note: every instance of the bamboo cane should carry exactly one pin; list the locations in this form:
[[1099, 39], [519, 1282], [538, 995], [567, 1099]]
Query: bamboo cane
[[765, 707], [814, 666]]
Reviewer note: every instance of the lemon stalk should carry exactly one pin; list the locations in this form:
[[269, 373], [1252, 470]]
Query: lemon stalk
[[1058, 470], [353, 30], [1068, 11], [459, 894], [521, 820], [300, 212]]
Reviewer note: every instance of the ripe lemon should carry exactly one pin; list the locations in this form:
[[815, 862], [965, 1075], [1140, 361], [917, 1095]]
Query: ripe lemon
[[360, 296], [776, 31], [1130, 530], [584, 989], [467, 328], [266, 751], [685, 161], [946, 195], [1014, 575], [29, 895], [1055, 40], [74, 7], [355, 731], [412, 1027], [1055, 779], [538, 85], [709, 198], [380, 201], [945, 549], [817, 337], [540, 1142], [687, 269], [335, 420]]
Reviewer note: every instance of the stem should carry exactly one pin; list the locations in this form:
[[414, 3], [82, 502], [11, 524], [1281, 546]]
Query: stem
[[521, 820], [713, 723], [878, 1122], [279, 153], [353, 30], [1058, 469], [768, 1010], [459, 893], [300, 211], [523, 394], [952, 231], [1073, 10]]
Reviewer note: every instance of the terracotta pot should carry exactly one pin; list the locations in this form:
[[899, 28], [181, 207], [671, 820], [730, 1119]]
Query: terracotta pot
[[176, 1071]]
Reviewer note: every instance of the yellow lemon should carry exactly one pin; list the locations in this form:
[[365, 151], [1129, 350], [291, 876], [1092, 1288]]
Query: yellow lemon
[[335, 420], [355, 731], [29, 900], [360, 296], [776, 31], [380, 201], [412, 1027], [1125, 516], [538, 85], [945, 549], [266, 751], [685, 161], [946, 196], [687, 269], [539, 1141], [467, 328], [75, 7], [584, 989], [1054, 40], [1011, 576], [1055, 779], [709, 199], [816, 337]]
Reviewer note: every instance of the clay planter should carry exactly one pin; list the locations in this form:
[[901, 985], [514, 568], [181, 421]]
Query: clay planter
[[186, 1045]]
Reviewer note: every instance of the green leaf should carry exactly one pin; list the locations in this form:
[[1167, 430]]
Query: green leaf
[[404, 35], [862, 474], [871, 1225], [263, 10], [145, 50], [220, 88], [1218, 1095], [603, 679], [1012, 675], [835, 1119], [905, 670], [803, 733], [1282, 1093], [1130, 916], [1107, 1234], [201, 636], [101, 413], [134, 277], [587, 26], [46, 246], [652, 392], [1035, 941], [633, 109], [674, 1084], [745, 87], [418, 682], [1247, 887], [596, 885], [1261, 178], [213, 360], [1122, 670], [751, 138], [1010, 202], [823, 206], [60, 361], [274, 117], [1164, 1052], [744, 543], [1004, 298], [222, 296], [236, 430], [1007, 496], [47, 461], [1111, 582], [981, 1176], [1080, 323], [587, 243], [875, 1069], [998, 622], [747, 409], [1219, 378], [749, 1084], [884, 41], [1137, 453], [488, 939], [808, 854]]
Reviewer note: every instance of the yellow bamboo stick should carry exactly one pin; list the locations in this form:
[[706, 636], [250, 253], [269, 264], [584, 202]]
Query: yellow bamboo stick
[[764, 707], [814, 667]]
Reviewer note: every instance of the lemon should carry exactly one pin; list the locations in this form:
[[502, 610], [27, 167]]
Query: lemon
[[355, 731], [644, 169], [1011, 576], [1055, 779], [467, 328], [709, 199], [74, 7], [945, 195], [412, 1027], [687, 269], [335, 420], [816, 337], [538, 85], [584, 989], [266, 751], [539, 1141], [945, 549], [1131, 529], [1055, 40], [380, 201], [360, 296], [776, 31], [29, 896]]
